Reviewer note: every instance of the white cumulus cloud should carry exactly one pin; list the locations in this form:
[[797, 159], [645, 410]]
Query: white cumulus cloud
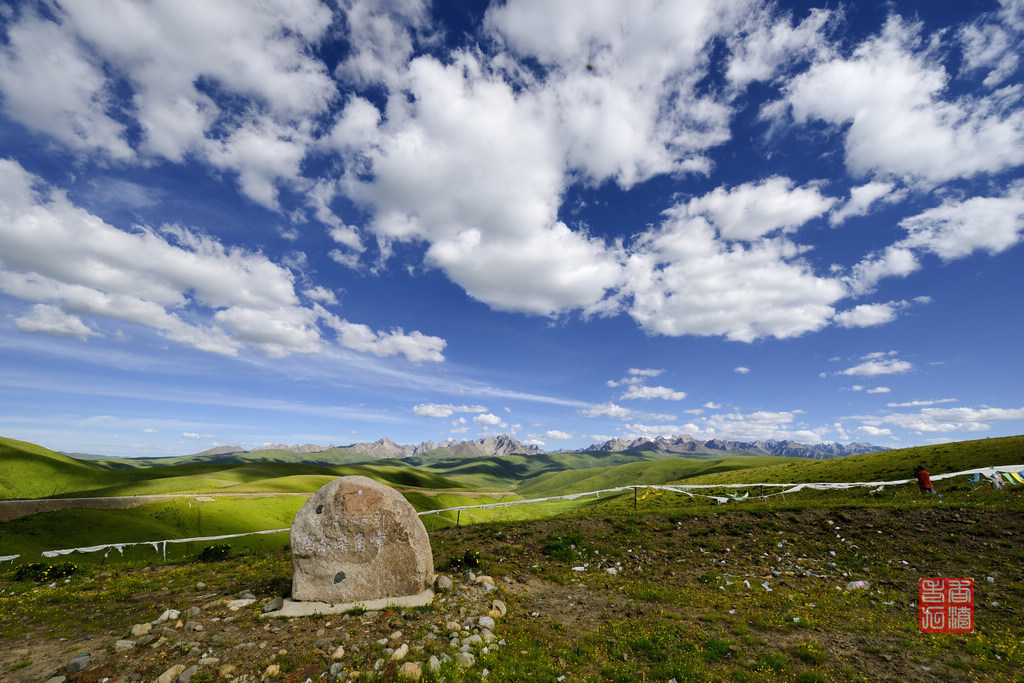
[[645, 392], [51, 320], [891, 97], [882, 363], [74, 264], [952, 419], [445, 409]]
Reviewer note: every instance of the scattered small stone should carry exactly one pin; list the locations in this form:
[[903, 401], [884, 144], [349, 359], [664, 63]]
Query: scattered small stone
[[273, 605], [171, 674], [79, 663], [186, 675], [168, 615], [468, 617], [122, 646], [141, 629], [410, 670]]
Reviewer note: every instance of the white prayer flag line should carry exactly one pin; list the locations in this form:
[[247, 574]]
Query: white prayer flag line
[[156, 544]]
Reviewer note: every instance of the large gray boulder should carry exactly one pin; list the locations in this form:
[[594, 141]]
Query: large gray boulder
[[356, 540]]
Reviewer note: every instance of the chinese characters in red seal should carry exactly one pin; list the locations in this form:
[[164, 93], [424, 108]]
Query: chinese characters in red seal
[[946, 605]]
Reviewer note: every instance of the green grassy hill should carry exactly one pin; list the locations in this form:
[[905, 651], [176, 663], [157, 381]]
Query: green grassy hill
[[884, 465], [28, 471], [327, 458], [513, 471], [167, 519], [31, 471], [649, 472]]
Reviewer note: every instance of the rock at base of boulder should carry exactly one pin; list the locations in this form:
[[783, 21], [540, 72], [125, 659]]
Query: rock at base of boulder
[[357, 540], [306, 608], [273, 605]]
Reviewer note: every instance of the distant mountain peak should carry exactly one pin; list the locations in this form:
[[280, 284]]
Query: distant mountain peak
[[305, 448], [503, 444], [223, 450], [684, 443]]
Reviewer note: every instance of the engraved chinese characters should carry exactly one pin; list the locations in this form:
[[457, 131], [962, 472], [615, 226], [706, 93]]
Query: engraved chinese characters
[[946, 605], [356, 540]]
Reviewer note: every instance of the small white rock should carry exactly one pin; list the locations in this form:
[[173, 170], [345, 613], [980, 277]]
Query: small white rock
[[400, 653], [141, 630]]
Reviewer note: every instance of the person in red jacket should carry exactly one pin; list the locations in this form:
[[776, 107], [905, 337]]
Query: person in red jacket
[[924, 480]]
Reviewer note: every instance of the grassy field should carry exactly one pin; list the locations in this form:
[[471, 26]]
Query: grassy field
[[747, 591], [753, 592], [885, 465], [673, 470], [31, 471], [757, 593]]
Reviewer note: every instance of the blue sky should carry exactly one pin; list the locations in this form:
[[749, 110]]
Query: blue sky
[[305, 222]]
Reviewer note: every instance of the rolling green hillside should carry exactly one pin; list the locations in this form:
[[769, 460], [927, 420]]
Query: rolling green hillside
[[178, 518], [328, 458], [513, 471], [28, 471], [884, 465], [650, 472], [31, 471]]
